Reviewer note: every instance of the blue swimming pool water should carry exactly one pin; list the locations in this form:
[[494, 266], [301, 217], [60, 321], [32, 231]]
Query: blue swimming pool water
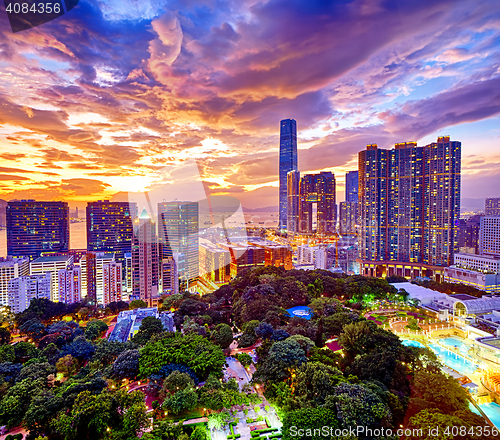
[[452, 360], [455, 342], [411, 343], [492, 410]]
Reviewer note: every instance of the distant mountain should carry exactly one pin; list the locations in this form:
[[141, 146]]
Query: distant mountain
[[266, 209]]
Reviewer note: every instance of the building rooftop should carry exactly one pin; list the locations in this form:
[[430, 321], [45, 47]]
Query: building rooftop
[[52, 259]]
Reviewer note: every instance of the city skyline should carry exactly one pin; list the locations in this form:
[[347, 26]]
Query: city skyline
[[211, 84]]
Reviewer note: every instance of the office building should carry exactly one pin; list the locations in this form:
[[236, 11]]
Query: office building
[[409, 203], [287, 163], [214, 263], [275, 254], [24, 288], [293, 201], [110, 227], [11, 267], [468, 233], [178, 234], [112, 282], [351, 186], [489, 236], [492, 207], [36, 227], [169, 277], [128, 273], [70, 284], [51, 264], [317, 207], [145, 260]]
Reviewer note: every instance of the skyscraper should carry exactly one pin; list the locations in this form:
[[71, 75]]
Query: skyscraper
[[288, 162], [36, 227], [178, 233], [409, 201], [145, 260], [110, 227], [317, 207], [351, 186], [492, 206], [293, 205], [349, 208]]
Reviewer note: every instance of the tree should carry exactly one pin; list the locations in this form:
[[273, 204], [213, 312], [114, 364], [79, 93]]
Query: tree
[[34, 371], [182, 400], [245, 359], [192, 350], [80, 348], [25, 351], [199, 433], [310, 421], [17, 400], [264, 330], [137, 304], [223, 335], [67, 366], [176, 381], [126, 365], [33, 329], [7, 353], [94, 329], [219, 420], [149, 327], [5, 336], [283, 355]]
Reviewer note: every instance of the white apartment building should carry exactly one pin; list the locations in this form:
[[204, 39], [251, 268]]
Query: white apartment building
[[52, 264], [11, 267]]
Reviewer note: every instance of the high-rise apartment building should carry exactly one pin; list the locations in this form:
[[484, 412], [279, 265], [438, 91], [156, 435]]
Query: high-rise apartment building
[[351, 186], [110, 227], [101, 259], [178, 234], [293, 197], [36, 227], [492, 207], [27, 287], [11, 267], [88, 266], [489, 236], [409, 202], [287, 163], [145, 260], [349, 208], [51, 264], [112, 282], [317, 207], [348, 217], [70, 284]]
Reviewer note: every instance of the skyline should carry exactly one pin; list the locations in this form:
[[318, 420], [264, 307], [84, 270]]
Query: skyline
[[117, 97]]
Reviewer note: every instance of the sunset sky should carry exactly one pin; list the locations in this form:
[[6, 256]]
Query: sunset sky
[[129, 95]]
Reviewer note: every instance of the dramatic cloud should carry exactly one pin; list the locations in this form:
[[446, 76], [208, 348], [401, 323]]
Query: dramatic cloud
[[108, 97]]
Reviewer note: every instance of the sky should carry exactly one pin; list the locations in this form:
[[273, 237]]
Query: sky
[[185, 97]]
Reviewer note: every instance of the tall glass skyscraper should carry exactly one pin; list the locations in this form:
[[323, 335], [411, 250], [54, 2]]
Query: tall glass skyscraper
[[409, 205], [36, 227], [178, 233], [110, 227], [288, 162]]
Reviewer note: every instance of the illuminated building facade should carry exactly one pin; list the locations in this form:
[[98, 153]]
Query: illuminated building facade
[[490, 236], [214, 263], [52, 264], [112, 282], [169, 276], [110, 227], [178, 234], [274, 254], [25, 288], [70, 284], [492, 207], [88, 265], [287, 163], [348, 212], [409, 203], [293, 201], [145, 260], [36, 227], [351, 186], [11, 267], [317, 207]]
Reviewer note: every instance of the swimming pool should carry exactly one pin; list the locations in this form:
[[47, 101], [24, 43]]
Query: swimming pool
[[450, 359], [492, 410], [455, 342]]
